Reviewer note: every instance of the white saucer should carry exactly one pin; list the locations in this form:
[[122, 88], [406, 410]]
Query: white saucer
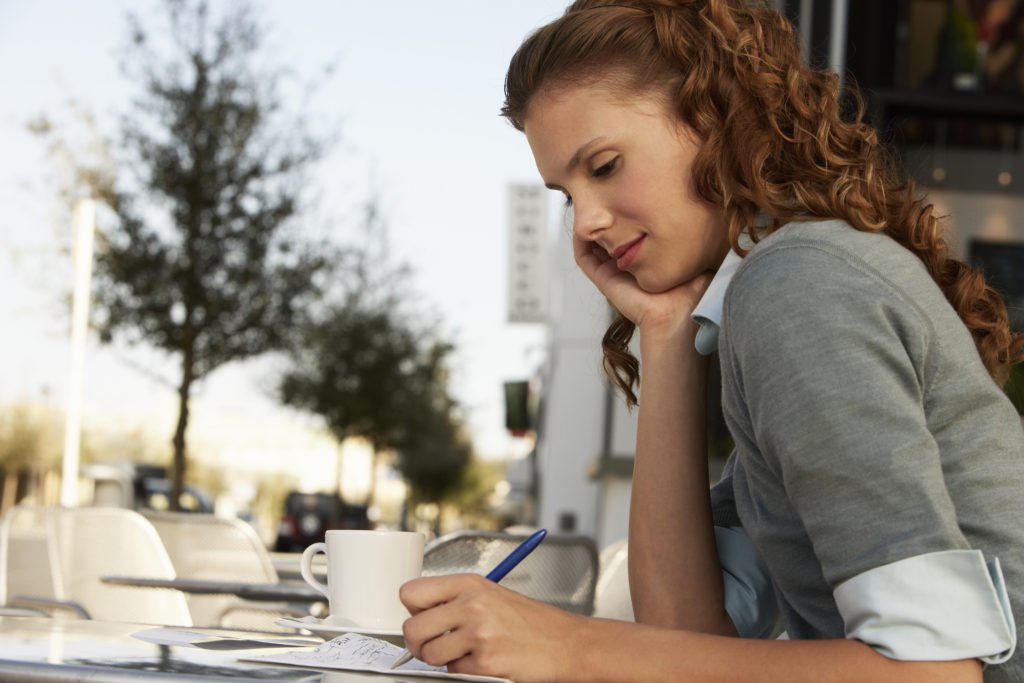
[[328, 630]]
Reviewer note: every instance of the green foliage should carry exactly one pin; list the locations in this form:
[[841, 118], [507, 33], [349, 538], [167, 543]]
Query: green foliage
[[358, 368], [475, 488], [30, 438], [204, 259], [201, 261], [134, 445], [369, 369], [437, 462], [367, 372]]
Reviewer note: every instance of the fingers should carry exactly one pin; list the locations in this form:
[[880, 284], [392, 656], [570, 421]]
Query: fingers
[[432, 622], [589, 256], [472, 625], [431, 601], [456, 616], [598, 266], [435, 635], [455, 651], [444, 650], [424, 593]]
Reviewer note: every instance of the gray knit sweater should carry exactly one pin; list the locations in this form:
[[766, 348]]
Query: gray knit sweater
[[867, 429]]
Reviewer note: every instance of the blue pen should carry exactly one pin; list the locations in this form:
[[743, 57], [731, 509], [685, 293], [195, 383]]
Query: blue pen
[[497, 574], [516, 556]]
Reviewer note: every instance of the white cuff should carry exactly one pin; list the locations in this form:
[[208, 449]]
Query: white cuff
[[749, 594], [938, 606]]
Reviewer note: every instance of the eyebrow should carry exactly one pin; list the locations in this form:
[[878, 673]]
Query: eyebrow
[[575, 161]]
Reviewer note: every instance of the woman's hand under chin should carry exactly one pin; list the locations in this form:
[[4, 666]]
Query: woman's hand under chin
[[476, 626], [666, 312]]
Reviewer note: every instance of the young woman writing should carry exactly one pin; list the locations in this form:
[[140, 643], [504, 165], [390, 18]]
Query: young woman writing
[[721, 201]]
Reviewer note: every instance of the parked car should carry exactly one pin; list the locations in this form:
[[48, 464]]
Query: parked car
[[308, 516], [139, 487]]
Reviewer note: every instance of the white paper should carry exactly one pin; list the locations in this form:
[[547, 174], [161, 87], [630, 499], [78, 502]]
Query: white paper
[[210, 641], [354, 652]]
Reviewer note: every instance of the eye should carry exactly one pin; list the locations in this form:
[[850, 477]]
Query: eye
[[606, 168], [568, 202]]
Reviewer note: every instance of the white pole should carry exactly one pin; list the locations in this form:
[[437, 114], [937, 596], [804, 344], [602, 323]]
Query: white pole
[[837, 41], [806, 19], [84, 227]]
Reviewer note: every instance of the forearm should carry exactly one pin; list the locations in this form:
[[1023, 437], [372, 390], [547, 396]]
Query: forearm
[[623, 652], [675, 578]]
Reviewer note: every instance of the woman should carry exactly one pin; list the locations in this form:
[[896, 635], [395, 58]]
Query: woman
[[720, 200]]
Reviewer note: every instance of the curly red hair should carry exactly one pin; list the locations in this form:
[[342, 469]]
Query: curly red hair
[[775, 141]]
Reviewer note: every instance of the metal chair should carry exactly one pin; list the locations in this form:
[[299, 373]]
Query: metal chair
[[612, 599], [562, 571], [204, 546], [53, 558], [23, 536]]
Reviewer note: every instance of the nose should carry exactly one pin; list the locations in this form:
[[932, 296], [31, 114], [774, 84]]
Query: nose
[[589, 218]]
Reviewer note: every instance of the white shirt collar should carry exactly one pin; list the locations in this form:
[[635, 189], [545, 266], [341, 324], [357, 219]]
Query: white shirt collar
[[708, 313]]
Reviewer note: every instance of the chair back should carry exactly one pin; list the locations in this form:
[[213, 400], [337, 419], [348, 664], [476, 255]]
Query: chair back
[[83, 545], [561, 571], [27, 555], [612, 599], [204, 546]]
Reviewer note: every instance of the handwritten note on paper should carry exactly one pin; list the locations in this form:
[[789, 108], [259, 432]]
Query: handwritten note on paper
[[355, 652]]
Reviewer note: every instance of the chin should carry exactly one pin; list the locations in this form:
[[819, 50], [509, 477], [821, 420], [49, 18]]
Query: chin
[[653, 284]]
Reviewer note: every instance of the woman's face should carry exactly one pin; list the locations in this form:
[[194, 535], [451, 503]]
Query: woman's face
[[624, 166]]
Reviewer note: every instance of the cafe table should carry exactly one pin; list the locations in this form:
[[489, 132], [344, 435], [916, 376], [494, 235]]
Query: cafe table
[[57, 650], [270, 592]]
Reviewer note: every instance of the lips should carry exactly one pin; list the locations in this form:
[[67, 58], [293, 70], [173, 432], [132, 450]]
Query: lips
[[626, 254]]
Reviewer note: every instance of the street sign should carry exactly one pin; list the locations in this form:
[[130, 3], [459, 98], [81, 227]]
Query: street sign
[[529, 268]]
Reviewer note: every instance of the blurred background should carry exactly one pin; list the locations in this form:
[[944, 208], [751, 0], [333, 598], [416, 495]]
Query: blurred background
[[401, 173], [285, 261]]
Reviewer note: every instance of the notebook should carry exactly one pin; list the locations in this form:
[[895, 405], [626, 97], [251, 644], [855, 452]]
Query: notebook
[[355, 652]]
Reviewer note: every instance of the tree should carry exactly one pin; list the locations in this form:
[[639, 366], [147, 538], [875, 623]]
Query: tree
[[204, 259], [28, 438], [367, 372], [369, 367], [436, 461], [434, 452]]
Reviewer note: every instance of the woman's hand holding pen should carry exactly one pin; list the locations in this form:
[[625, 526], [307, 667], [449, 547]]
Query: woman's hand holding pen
[[477, 626], [667, 311]]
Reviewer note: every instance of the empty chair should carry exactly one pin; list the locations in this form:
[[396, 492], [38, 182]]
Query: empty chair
[[23, 535], [612, 599], [32, 584], [56, 556], [203, 546], [562, 571]]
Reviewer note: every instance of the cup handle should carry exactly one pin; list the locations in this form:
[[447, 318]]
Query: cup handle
[[306, 567]]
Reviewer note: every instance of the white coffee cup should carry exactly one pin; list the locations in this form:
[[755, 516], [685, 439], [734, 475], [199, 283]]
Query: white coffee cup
[[365, 569]]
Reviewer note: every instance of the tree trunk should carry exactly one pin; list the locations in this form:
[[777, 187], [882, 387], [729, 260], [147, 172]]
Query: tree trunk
[[178, 464]]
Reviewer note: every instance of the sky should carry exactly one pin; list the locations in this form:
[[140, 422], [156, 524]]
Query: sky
[[414, 99]]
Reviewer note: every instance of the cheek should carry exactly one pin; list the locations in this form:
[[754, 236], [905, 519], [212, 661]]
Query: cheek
[[638, 199]]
